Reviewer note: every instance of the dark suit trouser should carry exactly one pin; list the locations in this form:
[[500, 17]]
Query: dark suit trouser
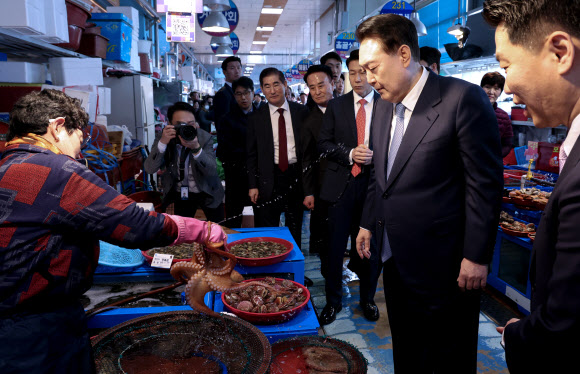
[[286, 197], [343, 220], [427, 339], [319, 226], [187, 208], [236, 192]]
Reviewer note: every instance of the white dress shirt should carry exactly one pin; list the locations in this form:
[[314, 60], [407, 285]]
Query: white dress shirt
[[572, 136], [322, 108], [274, 116], [368, 113], [409, 102]]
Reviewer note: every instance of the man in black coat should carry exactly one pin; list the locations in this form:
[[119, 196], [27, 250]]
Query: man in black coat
[[344, 139], [224, 98], [321, 86], [433, 200], [544, 34], [231, 150], [274, 156]]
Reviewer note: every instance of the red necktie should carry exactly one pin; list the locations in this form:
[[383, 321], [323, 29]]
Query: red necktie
[[361, 118], [282, 142]]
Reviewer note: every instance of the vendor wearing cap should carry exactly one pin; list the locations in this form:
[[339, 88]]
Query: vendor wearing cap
[[53, 213]]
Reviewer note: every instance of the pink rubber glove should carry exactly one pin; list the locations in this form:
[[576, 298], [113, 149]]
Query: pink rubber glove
[[193, 230]]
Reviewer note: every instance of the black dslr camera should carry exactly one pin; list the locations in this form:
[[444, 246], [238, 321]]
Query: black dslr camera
[[187, 131]]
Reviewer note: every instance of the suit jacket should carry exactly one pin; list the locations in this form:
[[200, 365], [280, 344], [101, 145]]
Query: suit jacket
[[442, 199], [232, 130], [547, 340], [337, 138], [223, 100], [260, 147], [204, 169], [311, 164]]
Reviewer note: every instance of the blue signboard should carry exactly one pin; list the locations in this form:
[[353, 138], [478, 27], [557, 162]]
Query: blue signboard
[[295, 72], [235, 44], [288, 75], [232, 15], [344, 42], [303, 66], [401, 8]]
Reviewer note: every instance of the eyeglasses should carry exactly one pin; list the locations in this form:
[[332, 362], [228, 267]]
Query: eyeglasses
[[240, 94], [85, 141]]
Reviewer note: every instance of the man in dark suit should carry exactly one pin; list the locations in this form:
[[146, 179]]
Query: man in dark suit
[[319, 80], [231, 150], [433, 200], [345, 138], [546, 34], [224, 98], [190, 180], [274, 157]]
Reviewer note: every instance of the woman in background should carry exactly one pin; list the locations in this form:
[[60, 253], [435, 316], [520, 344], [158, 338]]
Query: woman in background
[[492, 83]]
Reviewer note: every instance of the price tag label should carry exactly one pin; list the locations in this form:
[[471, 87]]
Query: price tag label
[[162, 261]]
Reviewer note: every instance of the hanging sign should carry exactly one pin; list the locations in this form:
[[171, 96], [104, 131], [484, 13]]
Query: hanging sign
[[295, 72], [288, 76], [232, 15], [344, 42], [180, 27], [402, 8], [180, 6], [303, 67], [235, 44]]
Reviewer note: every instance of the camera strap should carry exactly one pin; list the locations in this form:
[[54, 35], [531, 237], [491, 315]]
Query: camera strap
[[183, 156]]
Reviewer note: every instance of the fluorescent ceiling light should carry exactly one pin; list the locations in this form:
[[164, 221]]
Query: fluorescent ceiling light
[[250, 64], [263, 28], [255, 52], [259, 42], [455, 30], [272, 11], [216, 22]]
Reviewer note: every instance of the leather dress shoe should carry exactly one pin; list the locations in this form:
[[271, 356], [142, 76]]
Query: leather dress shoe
[[328, 314], [370, 311]]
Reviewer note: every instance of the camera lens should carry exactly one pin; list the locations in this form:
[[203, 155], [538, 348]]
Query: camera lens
[[188, 132]]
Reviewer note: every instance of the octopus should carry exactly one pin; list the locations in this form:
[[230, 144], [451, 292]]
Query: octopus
[[211, 269]]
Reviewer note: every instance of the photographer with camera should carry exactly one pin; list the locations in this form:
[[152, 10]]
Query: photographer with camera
[[190, 178]]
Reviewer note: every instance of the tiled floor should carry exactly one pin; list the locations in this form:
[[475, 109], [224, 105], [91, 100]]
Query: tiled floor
[[373, 339]]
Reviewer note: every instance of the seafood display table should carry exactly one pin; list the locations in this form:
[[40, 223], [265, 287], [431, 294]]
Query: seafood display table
[[293, 265], [305, 323]]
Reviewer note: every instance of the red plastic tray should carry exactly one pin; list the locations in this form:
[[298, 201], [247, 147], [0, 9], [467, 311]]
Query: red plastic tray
[[522, 234], [262, 261], [269, 318]]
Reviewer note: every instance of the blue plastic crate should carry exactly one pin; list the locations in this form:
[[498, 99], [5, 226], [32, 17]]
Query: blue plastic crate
[[118, 28], [520, 156]]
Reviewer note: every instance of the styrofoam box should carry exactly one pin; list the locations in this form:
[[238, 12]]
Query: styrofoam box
[[186, 73], [71, 71], [129, 12], [23, 16], [22, 72], [104, 100], [86, 94], [55, 18], [135, 61]]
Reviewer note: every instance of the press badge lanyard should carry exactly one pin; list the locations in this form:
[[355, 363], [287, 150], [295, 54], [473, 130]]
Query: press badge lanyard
[[184, 189]]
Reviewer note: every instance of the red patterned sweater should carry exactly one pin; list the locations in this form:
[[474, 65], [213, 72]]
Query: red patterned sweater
[[53, 212]]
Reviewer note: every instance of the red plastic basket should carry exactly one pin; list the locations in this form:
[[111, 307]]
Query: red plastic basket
[[269, 318], [262, 261]]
